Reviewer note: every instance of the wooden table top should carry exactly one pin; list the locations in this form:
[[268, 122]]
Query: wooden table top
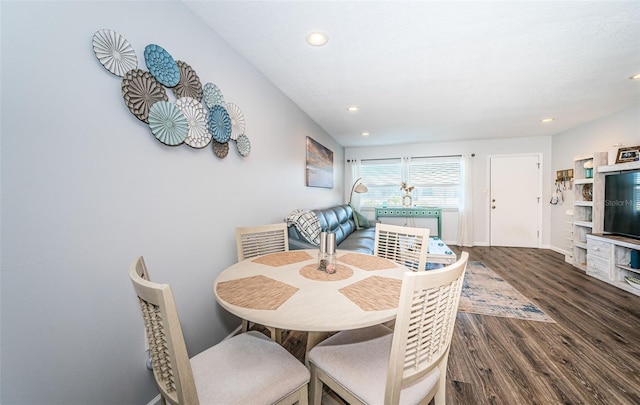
[[286, 291]]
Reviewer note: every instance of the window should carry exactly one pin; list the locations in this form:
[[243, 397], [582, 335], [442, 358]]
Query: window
[[436, 181], [383, 178]]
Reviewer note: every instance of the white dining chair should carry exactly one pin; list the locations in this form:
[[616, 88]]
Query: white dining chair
[[402, 244], [260, 240], [408, 365], [245, 369]]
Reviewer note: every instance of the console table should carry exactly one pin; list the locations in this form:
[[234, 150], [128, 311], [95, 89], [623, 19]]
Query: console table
[[413, 212]]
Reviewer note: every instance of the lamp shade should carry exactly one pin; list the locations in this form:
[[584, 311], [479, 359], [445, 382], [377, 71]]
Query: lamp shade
[[361, 188], [358, 188]]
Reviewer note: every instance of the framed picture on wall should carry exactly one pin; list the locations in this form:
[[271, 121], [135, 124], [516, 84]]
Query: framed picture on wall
[[319, 165], [631, 154]]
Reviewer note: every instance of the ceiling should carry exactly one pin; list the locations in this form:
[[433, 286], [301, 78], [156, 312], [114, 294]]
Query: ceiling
[[435, 71]]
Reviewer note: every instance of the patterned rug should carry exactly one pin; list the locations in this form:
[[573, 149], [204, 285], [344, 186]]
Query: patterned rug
[[486, 293]]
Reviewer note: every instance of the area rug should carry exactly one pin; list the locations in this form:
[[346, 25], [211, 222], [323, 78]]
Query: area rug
[[486, 293]]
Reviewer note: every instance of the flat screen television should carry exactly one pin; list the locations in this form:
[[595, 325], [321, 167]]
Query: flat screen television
[[622, 204]]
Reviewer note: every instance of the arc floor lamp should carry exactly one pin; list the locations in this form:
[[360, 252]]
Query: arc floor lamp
[[358, 188]]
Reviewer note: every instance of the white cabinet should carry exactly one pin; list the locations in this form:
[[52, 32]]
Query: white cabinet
[[608, 259], [588, 203]]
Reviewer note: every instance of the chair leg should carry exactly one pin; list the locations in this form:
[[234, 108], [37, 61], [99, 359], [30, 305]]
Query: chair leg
[[315, 387], [245, 326], [304, 396]]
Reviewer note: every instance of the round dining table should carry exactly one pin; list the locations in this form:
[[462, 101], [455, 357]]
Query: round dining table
[[286, 290]]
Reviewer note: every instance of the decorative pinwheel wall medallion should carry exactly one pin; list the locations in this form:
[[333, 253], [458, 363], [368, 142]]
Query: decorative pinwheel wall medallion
[[198, 117]]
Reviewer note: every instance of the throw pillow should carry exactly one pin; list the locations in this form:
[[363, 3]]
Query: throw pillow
[[360, 220], [307, 224], [355, 217], [363, 222]]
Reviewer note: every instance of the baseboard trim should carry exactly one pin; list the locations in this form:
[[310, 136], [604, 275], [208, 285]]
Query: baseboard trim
[[561, 251]]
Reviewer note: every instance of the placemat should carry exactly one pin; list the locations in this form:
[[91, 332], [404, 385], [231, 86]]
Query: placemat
[[283, 258], [374, 293], [255, 292], [311, 272], [366, 262]]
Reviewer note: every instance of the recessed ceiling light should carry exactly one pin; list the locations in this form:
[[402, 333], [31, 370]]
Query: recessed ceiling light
[[317, 38], [550, 119], [365, 134], [635, 77], [352, 109]]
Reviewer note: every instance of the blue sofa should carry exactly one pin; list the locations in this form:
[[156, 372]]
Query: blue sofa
[[339, 220]]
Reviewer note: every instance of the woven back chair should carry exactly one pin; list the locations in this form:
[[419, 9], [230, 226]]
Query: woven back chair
[[402, 244], [259, 240], [248, 368], [169, 358], [406, 365]]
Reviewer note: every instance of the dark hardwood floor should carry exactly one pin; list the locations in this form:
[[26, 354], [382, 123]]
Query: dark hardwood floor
[[591, 355]]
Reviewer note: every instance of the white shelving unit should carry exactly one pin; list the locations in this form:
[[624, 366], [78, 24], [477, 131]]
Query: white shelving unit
[[568, 257], [620, 167], [608, 256], [588, 208]]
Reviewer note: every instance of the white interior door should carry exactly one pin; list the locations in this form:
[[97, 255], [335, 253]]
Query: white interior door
[[515, 200]]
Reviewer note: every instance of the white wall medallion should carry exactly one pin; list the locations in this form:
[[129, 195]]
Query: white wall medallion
[[198, 136], [237, 120], [114, 52]]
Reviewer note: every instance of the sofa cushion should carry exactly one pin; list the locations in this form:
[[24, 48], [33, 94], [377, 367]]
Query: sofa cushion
[[338, 219], [360, 241]]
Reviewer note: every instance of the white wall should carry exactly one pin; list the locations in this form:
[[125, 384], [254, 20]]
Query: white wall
[[86, 188], [483, 149], [622, 127]]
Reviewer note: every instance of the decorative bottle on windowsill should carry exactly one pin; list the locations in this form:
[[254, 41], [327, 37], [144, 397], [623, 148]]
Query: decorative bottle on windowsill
[[407, 200]]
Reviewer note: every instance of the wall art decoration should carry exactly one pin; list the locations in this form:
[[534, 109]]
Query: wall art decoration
[[168, 123], [199, 115], [140, 91], [114, 52], [237, 120], [212, 95], [319, 165], [219, 124], [189, 84], [198, 136], [161, 65], [243, 145]]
